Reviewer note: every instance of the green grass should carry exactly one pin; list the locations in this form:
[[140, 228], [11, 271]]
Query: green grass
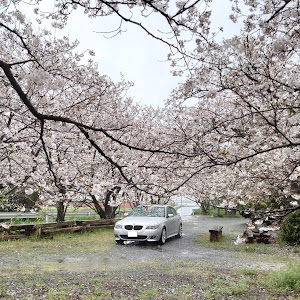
[[3, 293], [56, 295], [285, 279], [248, 271], [240, 286], [227, 242], [64, 243], [212, 212], [146, 294]]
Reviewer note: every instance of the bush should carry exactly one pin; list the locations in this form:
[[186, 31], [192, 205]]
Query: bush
[[290, 229]]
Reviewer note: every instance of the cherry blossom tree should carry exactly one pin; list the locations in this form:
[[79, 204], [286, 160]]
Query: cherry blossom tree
[[237, 111], [62, 120], [55, 89], [247, 94], [49, 96]]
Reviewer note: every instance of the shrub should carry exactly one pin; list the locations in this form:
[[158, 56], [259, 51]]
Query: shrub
[[290, 229]]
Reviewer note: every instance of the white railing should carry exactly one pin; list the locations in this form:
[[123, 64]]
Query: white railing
[[42, 215]]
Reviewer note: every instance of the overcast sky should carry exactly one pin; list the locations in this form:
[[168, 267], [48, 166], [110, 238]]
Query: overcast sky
[[138, 57]]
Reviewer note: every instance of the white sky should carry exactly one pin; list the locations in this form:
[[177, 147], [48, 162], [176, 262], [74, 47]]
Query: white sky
[[138, 57]]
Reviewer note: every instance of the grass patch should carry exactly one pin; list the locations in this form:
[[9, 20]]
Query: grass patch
[[235, 287], [3, 293], [286, 279], [149, 293], [248, 272], [212, 212], [56, 295], [64, 243], [100, 293], [158, 279], [81, 252], [296, 250], [227, 242]]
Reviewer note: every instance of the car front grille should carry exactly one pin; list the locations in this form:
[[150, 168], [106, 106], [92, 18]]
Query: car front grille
[[139, 237], [135, 227]]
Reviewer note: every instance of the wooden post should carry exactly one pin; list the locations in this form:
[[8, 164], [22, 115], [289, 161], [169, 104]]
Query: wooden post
[[215, 233], [28, 229], [39, 231]]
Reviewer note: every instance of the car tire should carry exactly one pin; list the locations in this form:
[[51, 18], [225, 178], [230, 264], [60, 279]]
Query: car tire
[[179, 234], [163, 237], [119, 242]]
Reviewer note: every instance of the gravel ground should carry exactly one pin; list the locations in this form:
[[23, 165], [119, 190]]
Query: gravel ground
[[180, 248], [180, 269]]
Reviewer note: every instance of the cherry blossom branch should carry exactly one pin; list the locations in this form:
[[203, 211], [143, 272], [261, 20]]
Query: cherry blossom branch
[[49, 162], [271, 124], [129, 181], [214, 163], [277, 12], [23, 43], [7, 70]]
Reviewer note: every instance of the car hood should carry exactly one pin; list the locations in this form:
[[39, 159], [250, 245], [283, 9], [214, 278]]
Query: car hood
[[141, 220]]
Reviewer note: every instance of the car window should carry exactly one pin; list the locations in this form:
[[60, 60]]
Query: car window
[[138, 212], [157, 212], [172, 211], [148, 211]]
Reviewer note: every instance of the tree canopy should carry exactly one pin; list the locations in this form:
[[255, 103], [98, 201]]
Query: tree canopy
[[230, 131]]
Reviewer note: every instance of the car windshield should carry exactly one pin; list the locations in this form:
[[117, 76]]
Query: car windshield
[[148, 211]]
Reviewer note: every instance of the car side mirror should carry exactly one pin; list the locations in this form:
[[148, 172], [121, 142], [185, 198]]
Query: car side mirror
[[170, 215], [126, 214]]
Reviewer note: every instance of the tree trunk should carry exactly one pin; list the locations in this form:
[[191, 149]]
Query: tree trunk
[[61, 211], [107, 211], [98, 207], [204, 206]]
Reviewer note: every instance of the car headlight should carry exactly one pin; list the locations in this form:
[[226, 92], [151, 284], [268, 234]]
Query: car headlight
[[118, 226], [152, 226]]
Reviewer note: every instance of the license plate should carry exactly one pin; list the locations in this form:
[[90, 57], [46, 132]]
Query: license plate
[[132, 234]]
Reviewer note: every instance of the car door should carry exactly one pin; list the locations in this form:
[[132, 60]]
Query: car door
[[172, 221], [177, 221]]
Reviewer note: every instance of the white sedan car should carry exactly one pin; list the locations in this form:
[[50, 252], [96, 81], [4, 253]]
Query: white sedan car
[[154, 223]]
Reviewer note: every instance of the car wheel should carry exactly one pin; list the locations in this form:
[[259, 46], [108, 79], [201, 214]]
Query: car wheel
[[163, 236], [179, 234], [119, 242]]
